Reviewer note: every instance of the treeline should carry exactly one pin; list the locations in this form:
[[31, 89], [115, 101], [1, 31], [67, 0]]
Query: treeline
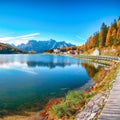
[[7, 49], [107, 36]]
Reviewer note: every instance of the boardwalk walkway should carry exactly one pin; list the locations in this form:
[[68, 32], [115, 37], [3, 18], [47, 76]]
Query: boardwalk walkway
[[111, 111], [107, 58]]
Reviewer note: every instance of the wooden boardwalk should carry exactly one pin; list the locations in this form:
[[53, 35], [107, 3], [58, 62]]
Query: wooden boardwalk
[[107, 58], [111, 110]]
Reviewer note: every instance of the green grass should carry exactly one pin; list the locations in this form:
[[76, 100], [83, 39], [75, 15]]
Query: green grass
[[73, 101], [61, 110]]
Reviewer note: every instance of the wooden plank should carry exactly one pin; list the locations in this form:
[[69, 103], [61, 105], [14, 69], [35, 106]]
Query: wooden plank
[[111, 111]]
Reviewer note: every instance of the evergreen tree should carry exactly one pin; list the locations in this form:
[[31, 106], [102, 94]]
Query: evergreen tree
[[102, 35], [118, 18], [114, 24], [96, 40]]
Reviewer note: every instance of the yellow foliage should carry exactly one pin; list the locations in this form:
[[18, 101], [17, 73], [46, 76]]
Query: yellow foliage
[[118, 24], [109, 34], [114, 34]]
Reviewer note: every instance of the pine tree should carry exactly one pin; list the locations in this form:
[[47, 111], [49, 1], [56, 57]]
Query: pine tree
[[96, 40], [114, 25], [102, 35], [119, 18]]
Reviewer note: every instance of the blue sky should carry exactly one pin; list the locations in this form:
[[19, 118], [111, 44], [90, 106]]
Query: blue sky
[[63, 20]]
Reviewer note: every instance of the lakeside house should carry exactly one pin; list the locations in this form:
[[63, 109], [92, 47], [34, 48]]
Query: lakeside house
[[65, 52], [71, 52], [80, 52], [57, 50], [32, 52], [96, 52]]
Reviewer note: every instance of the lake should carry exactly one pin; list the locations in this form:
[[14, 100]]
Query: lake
[[29, 81]]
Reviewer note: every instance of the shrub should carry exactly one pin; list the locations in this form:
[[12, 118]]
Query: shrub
[[75, 98], [61, 110], [72, 102]]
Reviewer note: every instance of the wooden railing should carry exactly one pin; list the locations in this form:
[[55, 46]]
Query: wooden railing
[[107, 58]]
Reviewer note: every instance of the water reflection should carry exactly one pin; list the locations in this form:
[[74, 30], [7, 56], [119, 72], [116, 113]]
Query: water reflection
[[49, 65], [30, 79], [7, 61], [50, 61], [91, 69], [95, 64]]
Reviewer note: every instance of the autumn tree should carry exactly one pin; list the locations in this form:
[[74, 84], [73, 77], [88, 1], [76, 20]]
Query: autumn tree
[[114, 34], [90, 42], [109, 36], [85, 47], [102, 35], [118, 33]]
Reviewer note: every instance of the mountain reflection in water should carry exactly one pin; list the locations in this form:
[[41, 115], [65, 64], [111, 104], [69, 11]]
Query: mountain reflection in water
[[29, 81]]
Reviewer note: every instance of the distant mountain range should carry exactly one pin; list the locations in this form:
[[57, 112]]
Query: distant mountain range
[[7, 49], [42, 46]]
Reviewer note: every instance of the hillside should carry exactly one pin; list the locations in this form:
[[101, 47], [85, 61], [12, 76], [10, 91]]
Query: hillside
[[42, 46], [7, 49], [106, 40]]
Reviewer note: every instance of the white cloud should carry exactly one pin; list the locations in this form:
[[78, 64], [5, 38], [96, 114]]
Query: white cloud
[[18, 39], [29, 35]]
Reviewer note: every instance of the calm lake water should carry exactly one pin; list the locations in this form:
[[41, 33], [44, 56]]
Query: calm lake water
[[29, 81]]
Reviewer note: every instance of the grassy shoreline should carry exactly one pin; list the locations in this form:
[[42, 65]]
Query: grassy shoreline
[[65, 110]]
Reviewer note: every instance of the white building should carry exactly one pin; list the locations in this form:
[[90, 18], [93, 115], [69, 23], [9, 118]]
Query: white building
[[57, 50], [96, 52]]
